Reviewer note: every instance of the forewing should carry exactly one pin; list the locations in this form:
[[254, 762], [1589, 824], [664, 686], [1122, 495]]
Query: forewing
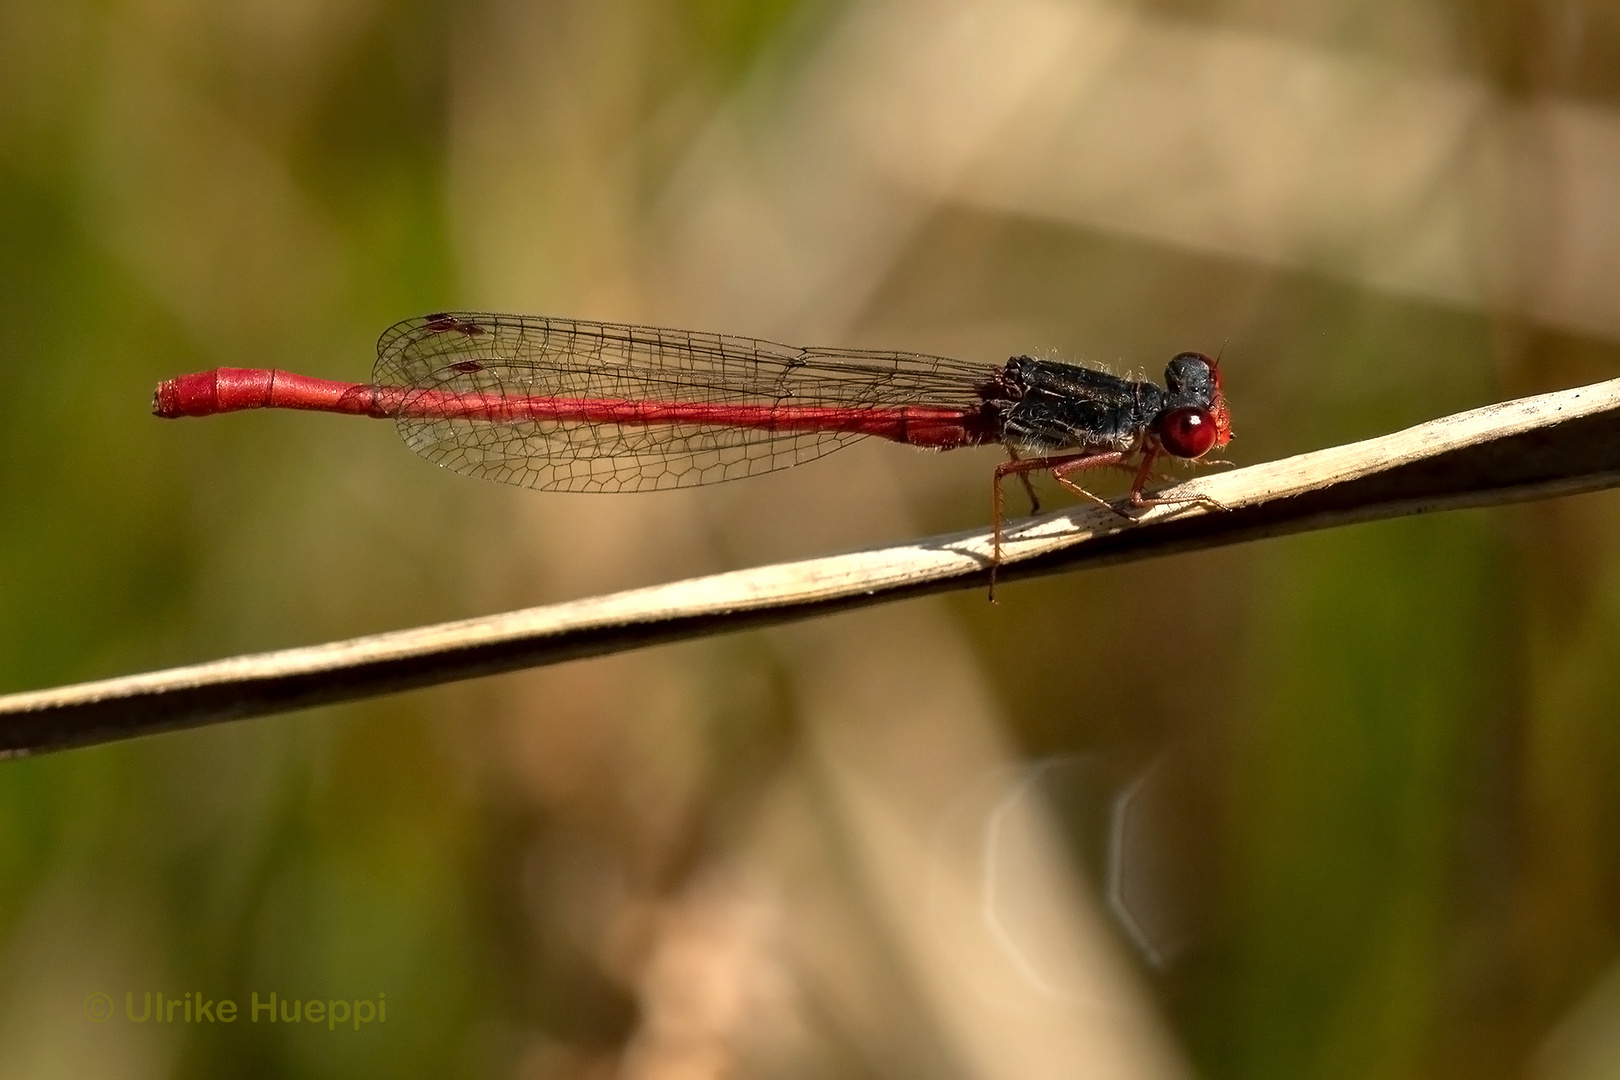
[[537, 357]]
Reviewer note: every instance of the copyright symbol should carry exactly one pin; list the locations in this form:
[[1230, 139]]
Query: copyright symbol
[[98, 1007]]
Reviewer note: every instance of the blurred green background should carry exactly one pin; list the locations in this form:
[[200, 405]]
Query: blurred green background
[[1343, 805]]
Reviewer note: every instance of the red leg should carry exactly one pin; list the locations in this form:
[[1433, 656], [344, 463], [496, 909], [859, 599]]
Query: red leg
[[1061, 466], [1022, 467], [1145, 473], [1065, 466], [1182, 500], [1029, 488]]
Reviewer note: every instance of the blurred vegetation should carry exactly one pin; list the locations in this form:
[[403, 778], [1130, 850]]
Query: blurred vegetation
[[1396, 752]]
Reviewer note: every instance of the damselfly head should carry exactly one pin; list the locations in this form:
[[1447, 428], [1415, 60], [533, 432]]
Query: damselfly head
[[1196, 420]]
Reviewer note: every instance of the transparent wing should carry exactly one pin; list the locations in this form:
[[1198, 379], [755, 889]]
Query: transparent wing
[[501, 357]]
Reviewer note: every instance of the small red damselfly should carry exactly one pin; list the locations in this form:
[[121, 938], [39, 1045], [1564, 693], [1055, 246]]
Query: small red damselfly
[[570, 405]]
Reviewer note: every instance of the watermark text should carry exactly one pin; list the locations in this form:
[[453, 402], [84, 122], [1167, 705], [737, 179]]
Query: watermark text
[[153, 1007]]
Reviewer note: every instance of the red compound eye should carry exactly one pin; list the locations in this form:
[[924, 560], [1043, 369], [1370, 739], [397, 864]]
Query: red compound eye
[[1188, 432]]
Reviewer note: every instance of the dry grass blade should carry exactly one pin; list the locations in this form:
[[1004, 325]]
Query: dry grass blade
[[1553, 444]]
